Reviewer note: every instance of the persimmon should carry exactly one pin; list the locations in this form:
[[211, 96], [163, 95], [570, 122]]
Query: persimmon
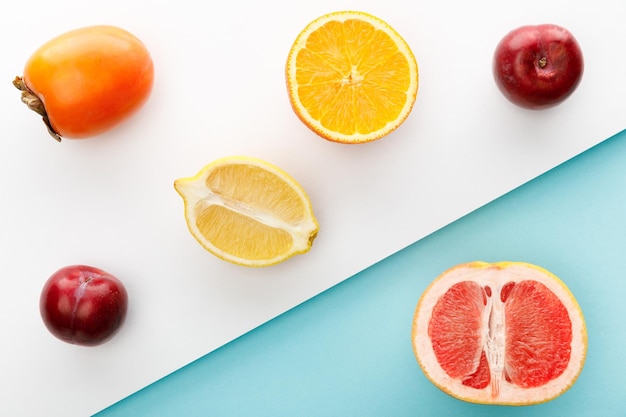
[[86, 81]]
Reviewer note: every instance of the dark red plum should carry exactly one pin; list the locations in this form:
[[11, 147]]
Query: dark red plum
[[83, 305], [538, 67]]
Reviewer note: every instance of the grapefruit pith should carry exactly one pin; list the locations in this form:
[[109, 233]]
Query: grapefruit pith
[[502, 333]]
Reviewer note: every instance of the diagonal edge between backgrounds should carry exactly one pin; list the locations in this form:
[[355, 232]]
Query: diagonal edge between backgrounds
[[245, 338]]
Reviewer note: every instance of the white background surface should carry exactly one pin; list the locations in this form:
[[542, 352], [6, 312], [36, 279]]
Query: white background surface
[[220, 90]]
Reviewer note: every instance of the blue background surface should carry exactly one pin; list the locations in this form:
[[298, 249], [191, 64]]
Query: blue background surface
[[348, 351]]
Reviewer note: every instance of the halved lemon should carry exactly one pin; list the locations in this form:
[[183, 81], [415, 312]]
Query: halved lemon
[[503, 333], [247, 211], [351, 77]]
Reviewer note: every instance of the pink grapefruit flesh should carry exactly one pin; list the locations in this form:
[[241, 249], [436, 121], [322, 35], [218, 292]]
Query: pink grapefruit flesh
[[503, 333]]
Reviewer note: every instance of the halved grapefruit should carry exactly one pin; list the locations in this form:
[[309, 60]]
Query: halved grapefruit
[[503, 333]]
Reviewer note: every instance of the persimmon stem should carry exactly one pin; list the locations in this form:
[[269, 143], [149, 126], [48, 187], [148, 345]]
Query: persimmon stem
[[35, 104]]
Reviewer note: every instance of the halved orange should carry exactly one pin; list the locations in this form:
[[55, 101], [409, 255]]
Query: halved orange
[[248, 211], [504, 333], [351, 77]]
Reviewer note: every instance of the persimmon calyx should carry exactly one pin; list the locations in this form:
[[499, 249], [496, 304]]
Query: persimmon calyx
[[35, 104]]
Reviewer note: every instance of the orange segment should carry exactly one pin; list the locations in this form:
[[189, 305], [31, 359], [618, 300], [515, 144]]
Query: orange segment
[[247, 211], [351, 77], [504, 333]]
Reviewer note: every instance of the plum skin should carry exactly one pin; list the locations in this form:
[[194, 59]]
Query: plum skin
[[539, 66], [83, 305]]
